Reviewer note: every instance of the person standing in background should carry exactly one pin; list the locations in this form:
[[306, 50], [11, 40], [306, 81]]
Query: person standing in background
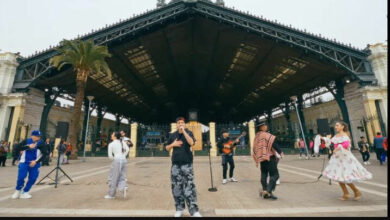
[[3, 153], [379, 150], [61, 151], [364, 149], [15, 153], [302, 148], [68, 152]]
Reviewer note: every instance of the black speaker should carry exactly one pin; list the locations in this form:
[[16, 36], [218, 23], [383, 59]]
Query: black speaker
[[193, 115], [62, 130], [323, 126]]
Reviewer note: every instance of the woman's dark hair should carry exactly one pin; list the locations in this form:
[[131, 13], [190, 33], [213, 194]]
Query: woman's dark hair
[[117, 134]]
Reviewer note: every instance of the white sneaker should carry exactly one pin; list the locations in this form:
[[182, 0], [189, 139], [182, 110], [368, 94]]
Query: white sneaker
[[233, 180], [178, 213], [16, 194], [277, 182], [368, 162], [300, 157], [25, 195], [224, 181], [196, 214], [108, 197], [307, 158]]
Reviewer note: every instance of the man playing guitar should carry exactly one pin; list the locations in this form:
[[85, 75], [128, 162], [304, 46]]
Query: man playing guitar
[[225, 146]]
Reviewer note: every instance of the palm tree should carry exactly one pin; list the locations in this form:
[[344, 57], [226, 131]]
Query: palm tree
[[86, 59]]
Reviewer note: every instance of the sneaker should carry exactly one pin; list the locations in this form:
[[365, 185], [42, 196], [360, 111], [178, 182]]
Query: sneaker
[[108, 197], [300, 157], [224, 181], [233, 180], [270, 196], [368, 162], [178, 213], [196, 214], [277, 182], [307, 157], [16, 194], [25, 195]]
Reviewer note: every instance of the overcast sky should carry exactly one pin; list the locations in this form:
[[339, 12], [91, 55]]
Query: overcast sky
[[30, 25]]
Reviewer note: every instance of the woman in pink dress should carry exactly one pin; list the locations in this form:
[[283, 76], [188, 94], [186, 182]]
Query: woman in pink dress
[[343, 166]]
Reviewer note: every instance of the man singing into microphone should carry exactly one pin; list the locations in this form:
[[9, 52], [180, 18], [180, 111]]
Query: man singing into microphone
[[182, 173], [29, 164]]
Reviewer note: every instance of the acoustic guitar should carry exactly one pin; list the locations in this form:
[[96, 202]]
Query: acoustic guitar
[[228, 147]]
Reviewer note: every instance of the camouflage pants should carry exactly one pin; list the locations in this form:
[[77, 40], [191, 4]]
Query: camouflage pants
[[183, 187]]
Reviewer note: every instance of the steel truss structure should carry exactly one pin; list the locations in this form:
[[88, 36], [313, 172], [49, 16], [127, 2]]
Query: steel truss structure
[[350, 59]]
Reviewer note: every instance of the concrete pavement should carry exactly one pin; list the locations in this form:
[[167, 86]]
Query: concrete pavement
[[149, 191]]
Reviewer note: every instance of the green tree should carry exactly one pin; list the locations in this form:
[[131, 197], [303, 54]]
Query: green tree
[[86, 59]]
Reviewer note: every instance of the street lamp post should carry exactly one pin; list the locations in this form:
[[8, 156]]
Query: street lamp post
[[294, 99], [90, 98]]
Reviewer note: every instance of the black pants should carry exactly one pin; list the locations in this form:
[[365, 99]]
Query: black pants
[[45, 160], [365, 156], [14, 159], [2, 160], [227, 159], [269, 168]]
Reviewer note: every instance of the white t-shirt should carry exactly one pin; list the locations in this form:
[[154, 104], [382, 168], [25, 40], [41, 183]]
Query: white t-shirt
[[115, 150]]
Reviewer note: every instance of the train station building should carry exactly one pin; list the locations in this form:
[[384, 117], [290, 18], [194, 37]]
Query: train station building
[[217, 66]]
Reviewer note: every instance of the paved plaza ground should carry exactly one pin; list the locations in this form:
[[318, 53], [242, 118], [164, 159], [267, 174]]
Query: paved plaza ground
[[149, 191]]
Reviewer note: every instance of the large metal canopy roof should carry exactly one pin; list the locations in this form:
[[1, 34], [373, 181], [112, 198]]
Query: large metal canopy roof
[[228, 65]]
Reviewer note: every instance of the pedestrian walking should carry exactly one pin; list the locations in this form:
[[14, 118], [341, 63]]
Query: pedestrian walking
[[379, 149], [302, 149], [364, 149], [264, 153], [68, 152], [343, 167], [61, 151], [311, 146], [117, 151], [182, 172]]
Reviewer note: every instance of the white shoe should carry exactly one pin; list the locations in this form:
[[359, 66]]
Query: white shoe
[[368, 162], [300, 157], [224, 181], [277, 182], [108, 197], [307, 158], [196, 214], [365, 163], [25, 195], [178, 213], [16, 194], [233, 180]]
